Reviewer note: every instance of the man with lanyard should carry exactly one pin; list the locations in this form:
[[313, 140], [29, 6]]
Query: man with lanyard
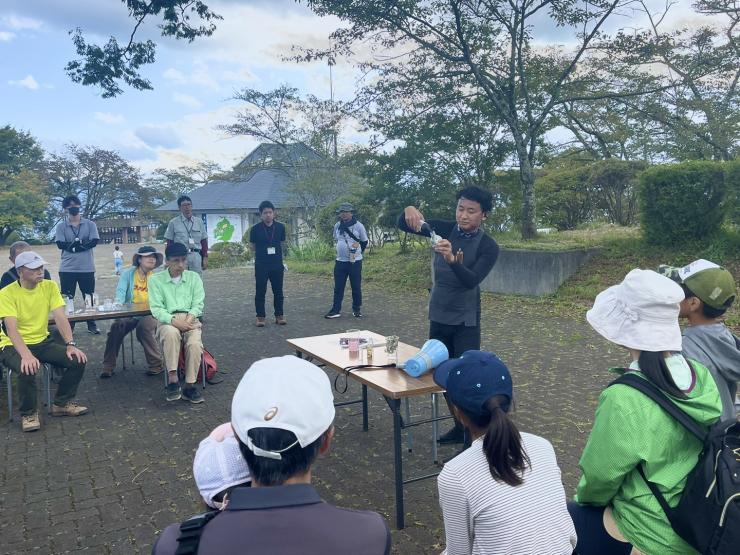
[[191, 232], [266, 240], [464, 255], [76, 237], [350, 239]]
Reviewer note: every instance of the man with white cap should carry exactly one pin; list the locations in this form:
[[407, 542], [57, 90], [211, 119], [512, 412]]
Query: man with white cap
[[25, 343], [282, 414]]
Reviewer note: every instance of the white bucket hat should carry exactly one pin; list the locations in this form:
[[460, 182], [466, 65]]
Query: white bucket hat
[[287, 393], [640, 313], [219, 465]]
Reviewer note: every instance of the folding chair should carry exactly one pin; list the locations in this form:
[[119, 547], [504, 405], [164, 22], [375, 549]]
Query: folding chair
[[46, 375], [123, 350]]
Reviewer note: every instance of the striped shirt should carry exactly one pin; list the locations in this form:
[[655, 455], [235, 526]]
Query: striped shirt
[[483, 516]]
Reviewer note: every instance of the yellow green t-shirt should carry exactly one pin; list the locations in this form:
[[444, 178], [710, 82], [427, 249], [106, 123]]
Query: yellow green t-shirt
[[141, 288], [31, 307]]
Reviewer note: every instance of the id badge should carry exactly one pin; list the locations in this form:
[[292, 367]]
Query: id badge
[[191, 241], [270, 250]]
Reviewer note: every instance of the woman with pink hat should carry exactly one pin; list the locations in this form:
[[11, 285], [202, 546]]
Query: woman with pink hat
[[615, 512]]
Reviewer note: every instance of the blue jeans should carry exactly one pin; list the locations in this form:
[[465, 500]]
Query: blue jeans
[[342, 271]]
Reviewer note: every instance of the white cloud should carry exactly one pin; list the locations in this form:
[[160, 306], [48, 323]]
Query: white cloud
[[172, 74], [6, 36], [158, 136], [27, 82], [19, 23], [108, 118], [186, 100]]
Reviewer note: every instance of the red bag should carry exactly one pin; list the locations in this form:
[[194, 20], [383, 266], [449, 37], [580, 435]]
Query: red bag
[[208, 360]]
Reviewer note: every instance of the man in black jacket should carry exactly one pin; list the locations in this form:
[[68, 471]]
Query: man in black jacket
[[464, 255]]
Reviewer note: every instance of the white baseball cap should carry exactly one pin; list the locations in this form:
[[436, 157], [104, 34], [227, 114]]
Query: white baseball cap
[[219, 465], [640, 313], [30, 260], [287, 393]]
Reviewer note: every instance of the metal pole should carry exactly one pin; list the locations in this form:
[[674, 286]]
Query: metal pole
[[395, 405], [364, 408], [435, 428]]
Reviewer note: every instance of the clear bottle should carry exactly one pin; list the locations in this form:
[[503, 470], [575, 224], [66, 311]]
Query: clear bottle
[[69, 305]]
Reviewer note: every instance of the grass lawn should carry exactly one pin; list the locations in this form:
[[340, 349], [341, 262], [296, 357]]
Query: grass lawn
[[622, 250]]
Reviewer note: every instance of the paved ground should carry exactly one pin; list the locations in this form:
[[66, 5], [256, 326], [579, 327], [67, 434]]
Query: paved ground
[[110, 481]]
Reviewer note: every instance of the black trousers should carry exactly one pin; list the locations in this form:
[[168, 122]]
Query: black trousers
[[68, 282], [593, 539], [342, 271], [457, 339], [274, 274]]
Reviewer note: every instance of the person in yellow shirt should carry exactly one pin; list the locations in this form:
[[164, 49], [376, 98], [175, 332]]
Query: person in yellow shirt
[[133, 287], [25, 343]]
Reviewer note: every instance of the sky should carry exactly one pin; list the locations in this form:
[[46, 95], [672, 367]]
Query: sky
[[175, 124]]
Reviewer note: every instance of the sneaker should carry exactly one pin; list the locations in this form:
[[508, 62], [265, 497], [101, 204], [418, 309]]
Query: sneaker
[[174, 393], [332, 314], [280, 320], [93, 329], [106, 373], [192, 394], [454, 435], [154, 371], [357, 313], [260, 323], [70, 409], [31, 422]]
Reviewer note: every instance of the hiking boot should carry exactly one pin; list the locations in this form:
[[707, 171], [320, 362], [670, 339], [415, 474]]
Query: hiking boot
[[154, 371], [30, 422], [455, 435], [70, 409], [260, 323], [192, 394], [280, 320], [332, 314], [357, 313], [174, 393], [107, 373]]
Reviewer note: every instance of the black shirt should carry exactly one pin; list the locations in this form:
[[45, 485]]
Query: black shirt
[[264, 237], [11, 276]]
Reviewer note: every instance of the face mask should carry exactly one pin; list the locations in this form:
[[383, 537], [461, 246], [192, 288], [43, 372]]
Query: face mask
[[73, 210]]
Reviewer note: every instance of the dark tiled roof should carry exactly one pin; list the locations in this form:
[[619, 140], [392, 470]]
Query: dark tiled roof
[[245, 194]]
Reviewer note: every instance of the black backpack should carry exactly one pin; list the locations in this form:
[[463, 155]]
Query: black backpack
[[707, 516]]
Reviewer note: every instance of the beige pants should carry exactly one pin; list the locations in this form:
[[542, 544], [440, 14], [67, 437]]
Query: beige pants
[[170, 338]]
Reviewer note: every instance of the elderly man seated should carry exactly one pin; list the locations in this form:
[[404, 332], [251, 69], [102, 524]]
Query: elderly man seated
[[25, 343], [176, 300], [133, 287]]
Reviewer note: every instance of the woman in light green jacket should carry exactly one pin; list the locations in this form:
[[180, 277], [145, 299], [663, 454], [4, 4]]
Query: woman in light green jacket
[[615, 511]]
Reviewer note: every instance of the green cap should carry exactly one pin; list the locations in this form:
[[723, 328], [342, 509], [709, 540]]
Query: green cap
[[712, 284]]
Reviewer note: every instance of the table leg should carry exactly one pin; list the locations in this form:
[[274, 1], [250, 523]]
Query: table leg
[[299, 354], [409, 433], [435, 428], [364, 408], [395, 405]]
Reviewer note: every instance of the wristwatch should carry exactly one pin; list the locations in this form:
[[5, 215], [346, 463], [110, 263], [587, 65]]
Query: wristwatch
[[70, 344]]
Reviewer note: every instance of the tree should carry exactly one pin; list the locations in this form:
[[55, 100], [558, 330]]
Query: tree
[[106, 66], [486, 48], [107, 185], [22, 199], [19, 150], [165, 184], [614, 184]]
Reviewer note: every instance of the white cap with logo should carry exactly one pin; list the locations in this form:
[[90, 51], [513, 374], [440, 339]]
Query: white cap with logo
[[30, 260], [287, 393]]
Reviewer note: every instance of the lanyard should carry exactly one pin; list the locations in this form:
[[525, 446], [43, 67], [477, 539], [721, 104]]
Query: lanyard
[[272, 235], [185, 225], [79, 229]]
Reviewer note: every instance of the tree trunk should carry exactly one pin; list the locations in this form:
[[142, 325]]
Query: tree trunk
[[526, 173]]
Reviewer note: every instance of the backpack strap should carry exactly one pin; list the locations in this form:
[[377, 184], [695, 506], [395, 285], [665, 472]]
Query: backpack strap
[[649, 389], [190, 532]]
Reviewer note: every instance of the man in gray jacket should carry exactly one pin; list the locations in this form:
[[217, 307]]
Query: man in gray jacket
[[710, 291]]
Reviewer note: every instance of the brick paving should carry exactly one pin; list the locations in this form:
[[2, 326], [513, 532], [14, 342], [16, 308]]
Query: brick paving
[[110, 481]]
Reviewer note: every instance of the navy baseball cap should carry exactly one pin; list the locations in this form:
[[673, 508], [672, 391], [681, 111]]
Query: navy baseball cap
[[474, 378]]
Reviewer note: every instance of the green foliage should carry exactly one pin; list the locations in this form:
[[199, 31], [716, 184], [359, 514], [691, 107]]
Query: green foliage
[[566, 198], [732, 180], [12, 238], [228, 255], [681, 203], [19, 150], [614, 185], [22, 198], [313, 250], [105, 66]]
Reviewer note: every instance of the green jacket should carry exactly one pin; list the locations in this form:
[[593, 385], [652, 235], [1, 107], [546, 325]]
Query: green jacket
[[167, 297], [630, 429]]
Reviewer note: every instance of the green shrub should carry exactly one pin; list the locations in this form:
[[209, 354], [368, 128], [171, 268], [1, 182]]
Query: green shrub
[[565, 198], [682, 202], [732, 180], [228, 255], [313, 250], [12, 237]]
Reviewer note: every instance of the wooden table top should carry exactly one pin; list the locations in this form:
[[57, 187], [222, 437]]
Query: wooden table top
[[126, 311], [390, 382]]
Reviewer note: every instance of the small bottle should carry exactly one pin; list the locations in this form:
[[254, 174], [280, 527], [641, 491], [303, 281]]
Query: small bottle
[[369, 351], [70, 305]]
